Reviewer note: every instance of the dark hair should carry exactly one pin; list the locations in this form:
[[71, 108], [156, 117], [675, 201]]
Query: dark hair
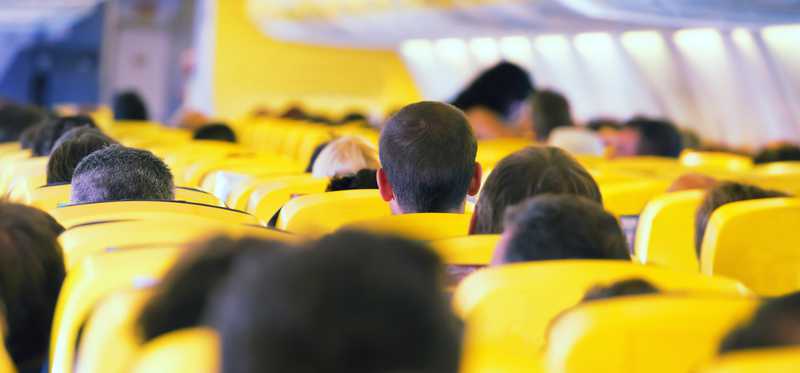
[[723, 194], [51, 132], [314, 156], [183, 295], [562, 227], [31, 273], [15, 119], [599, 124], [780, 153], [117, 173], [549, 110], [634, 286], [530, 172], [657, 137], [498, 89], [70, 149], [129, 105], [363, 179], [29, 137], [215, 131], [776, 323], [428, 151], [351, 302]]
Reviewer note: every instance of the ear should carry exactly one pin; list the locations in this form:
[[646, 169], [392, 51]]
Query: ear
[[387, 192], [475, 183]]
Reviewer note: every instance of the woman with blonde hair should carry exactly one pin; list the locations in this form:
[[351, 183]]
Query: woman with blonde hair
[[345, 156]]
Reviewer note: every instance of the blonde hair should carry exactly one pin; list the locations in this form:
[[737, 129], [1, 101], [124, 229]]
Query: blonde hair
[[345, 156]]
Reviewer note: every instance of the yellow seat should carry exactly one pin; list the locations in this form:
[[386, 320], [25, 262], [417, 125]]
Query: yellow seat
[[755, 242], [90, 281], [23, 185], [262, 164], [84, 240], [53, 196], [519, 300], [424, 227], [785, 182], [646, 166], [646, 334], [72, 215], [630, 198], [110, 340], [14, 170], [268, 196], [193, 350], [665, 235], [771, 360], [491, 152], [716, 161], [467, 250], [9, 147], [778, 168], [324, 213]]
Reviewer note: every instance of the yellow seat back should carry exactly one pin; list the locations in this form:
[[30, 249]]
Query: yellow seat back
[[646, 334], [193, 350], [716, 161], [90, 281], [14, 171], [110, 340], [630, 198], [467, 250], [323, 213], [6, 363], [270, 195], [665, 235], [81, 241], [772, 360], [755, 242], [424, 227], [519, 300], [778, 168], [73, 215], [784, 182], [53, 196], [197, 196]]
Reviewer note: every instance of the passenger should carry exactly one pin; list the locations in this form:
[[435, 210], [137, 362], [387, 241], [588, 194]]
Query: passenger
[[70, 149], [779, 153], [606, 129], [692, 181], [351, 302], [721, 195], [776, 323], [29, 137], [215, 131], [648, 137], [117, 173], [427, 151], [52, 131], [577, 141], [560, 227], [636, 286], [129, 105], [495, 102], [527, 173], [31, 273], [549, 110], [182, 297], [364, 179], [344, 157], [15, 119]]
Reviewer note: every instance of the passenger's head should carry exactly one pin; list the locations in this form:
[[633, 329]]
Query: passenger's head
[[345, 156], [129, 105], [15, 119], [577, 141], [70, 149], [51, 132], [779, 153], [650, 137], [635, 286], [720, 195], [29, 137], [182, 297], [351, 302], [117, 173], [527, 173], [31, 273], [560, 227], [550, 110], [364, 179], [502, 89], [776, 323], [692, 181], [215, 131], [427, 151]]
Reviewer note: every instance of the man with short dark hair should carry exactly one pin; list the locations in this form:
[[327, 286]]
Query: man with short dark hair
[[643, 136], [427, 152], [551, 227], [350, 303], [117, 173]]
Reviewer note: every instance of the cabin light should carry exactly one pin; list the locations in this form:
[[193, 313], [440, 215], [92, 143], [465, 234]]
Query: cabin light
[[517, 49], [416, 48], [593, 43], [782, 36], [485, 50], [698, 39], [552, 44], [452, 49]]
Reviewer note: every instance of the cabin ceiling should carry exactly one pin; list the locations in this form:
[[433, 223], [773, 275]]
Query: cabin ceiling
[[385, 23]]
